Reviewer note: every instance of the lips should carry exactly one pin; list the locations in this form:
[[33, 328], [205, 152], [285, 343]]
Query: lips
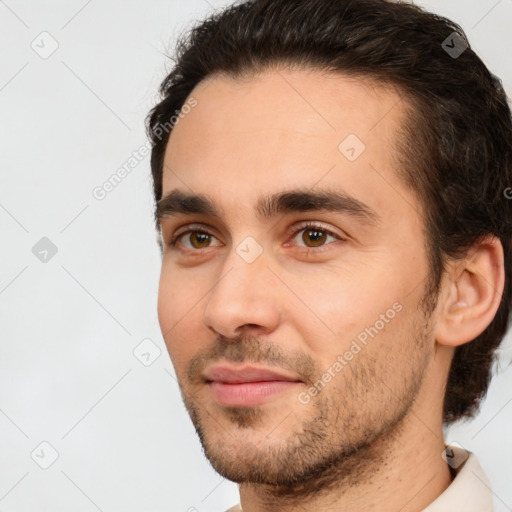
[[233, 375], [247, 386]]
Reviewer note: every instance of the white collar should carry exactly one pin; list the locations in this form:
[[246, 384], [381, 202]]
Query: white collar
[[470, 490]]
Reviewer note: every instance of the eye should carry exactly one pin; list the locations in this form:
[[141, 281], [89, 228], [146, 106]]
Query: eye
[[314, 235], [197, 239]]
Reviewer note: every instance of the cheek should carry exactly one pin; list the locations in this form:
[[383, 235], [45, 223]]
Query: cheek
[[178, 292], [338, 310], [177, 306], [167, 304], [177, 323]]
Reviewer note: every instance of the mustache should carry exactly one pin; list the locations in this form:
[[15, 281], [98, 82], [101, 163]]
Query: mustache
[[244, 349]]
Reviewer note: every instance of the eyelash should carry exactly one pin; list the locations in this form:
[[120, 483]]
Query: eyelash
[[309, 226]]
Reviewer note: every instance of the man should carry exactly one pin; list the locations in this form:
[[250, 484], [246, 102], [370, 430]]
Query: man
[[336, 250]]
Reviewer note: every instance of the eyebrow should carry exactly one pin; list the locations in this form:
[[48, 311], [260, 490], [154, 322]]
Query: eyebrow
[[179, 202]]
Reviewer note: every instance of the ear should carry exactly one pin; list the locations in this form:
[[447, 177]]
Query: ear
[[472, 293]]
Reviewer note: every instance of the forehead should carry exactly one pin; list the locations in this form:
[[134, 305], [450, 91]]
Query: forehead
[[261, 133]]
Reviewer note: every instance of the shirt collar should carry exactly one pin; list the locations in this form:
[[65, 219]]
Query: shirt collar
[[470, 490]]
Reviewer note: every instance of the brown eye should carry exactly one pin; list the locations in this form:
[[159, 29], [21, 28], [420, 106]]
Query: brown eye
[[314, 236], [199, 239]]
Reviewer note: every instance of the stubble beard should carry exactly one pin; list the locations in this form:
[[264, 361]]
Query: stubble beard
[[345, 437]]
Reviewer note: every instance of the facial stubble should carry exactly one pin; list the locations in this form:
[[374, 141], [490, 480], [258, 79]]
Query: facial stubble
[[338, 440]]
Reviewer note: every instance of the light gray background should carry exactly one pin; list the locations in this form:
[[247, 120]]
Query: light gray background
[[69, 326]]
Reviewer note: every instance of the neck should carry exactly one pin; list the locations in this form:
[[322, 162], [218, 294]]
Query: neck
[[402, 470]]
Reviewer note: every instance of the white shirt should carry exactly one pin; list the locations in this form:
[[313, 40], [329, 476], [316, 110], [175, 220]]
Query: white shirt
[[469, 491]]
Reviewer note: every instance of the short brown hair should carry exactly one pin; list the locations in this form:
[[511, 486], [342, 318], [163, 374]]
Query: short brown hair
[[455, 152]]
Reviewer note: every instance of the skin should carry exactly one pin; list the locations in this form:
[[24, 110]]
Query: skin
[[358, 443]]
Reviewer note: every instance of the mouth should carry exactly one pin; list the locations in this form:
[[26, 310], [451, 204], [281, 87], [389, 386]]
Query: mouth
[[247, 386]]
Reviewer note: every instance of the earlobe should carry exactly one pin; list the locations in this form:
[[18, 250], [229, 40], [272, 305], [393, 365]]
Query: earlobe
[[472, 293]]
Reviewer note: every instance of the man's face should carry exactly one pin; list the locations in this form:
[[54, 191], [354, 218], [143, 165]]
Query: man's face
[[270, 291]]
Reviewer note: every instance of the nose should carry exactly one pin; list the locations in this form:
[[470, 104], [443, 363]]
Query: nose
[[243, 297]]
